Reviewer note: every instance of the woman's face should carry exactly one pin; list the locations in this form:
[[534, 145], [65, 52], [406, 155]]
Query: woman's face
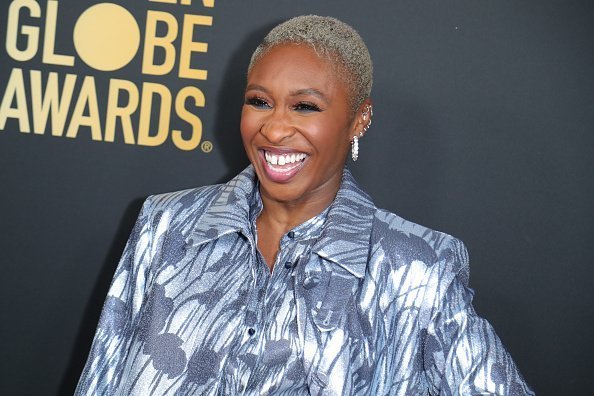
[[297, 125]]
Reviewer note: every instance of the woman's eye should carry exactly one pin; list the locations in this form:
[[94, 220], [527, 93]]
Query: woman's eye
[[306, 107], [257, 102]]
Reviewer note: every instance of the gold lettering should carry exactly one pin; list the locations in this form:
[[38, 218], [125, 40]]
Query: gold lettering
[[86, 98], [49, 39], [205, 3], [114, 111], [50, 100], [15, 89], [189, 117], [31, 32], [188, 46], [151, 40], [144, 137]]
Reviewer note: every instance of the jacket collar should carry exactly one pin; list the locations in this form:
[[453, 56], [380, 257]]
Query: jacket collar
[[345, 237], [229, 212]]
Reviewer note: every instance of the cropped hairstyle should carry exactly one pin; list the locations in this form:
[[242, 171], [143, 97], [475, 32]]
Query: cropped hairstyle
[[333, 41]]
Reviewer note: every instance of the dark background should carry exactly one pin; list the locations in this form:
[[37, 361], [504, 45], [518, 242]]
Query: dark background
[[483, 128]]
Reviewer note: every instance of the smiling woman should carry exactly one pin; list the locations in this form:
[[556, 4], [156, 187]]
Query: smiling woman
[[296, 107], [287, 280]]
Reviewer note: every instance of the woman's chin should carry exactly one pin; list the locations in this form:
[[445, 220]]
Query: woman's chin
[[281, 188]]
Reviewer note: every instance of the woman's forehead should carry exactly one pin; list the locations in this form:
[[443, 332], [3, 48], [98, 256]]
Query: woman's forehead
[[297, 66]]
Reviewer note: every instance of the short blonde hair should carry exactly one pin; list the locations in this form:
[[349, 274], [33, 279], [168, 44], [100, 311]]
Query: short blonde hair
[[332, 40]]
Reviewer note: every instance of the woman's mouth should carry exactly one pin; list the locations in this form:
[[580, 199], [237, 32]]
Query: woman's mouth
[[282, 166]]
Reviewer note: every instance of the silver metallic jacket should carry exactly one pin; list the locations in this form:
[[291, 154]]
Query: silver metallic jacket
[[360, 302]]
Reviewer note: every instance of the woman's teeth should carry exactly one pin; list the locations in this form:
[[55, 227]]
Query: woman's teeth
[[284, 159]]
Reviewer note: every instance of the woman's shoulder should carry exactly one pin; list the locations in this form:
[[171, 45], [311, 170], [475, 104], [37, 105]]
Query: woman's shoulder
[[386, 222], [182, 200], [409, 241], [198, 198], [185, 197], [177, 208]]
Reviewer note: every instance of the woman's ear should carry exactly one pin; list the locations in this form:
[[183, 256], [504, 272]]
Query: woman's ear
[[363, 117]]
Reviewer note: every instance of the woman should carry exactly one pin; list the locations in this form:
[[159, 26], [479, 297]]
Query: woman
[[287, 280]]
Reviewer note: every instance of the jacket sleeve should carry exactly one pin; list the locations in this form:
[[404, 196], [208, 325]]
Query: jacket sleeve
[[120, 314], [462, 353]]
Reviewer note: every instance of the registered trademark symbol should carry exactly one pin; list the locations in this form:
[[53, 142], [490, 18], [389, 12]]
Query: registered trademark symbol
[[206, 146]]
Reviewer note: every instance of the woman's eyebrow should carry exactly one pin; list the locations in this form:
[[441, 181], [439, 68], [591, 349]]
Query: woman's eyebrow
[[310, 91], [298, 92], [256, 87]]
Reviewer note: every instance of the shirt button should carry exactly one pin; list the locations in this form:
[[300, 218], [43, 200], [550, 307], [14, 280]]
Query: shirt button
[[251, 331], [288, 265], [291, 234]]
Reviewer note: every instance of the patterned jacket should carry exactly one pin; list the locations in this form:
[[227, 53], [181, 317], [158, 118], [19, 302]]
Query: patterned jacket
[[383, 305]]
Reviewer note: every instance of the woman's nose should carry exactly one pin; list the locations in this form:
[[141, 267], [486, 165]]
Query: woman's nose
[[277, 128]]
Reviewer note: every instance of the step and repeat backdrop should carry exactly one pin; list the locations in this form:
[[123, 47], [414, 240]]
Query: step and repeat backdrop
[[482, 129]]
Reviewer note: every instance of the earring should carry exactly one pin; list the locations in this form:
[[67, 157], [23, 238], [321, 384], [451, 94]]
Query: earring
[[368, 110], [355, 142], [355, 146]]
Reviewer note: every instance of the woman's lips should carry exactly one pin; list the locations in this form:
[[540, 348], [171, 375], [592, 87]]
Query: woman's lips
[[282, 165]]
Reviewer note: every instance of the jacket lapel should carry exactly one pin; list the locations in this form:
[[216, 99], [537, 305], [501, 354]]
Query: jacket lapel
[[346, 235], [338, 264]]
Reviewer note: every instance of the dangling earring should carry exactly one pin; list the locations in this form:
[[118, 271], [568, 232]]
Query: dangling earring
[[355, 146], [355, 141]]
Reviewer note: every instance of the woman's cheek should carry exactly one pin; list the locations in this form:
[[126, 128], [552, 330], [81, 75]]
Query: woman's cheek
[[248, 124], [244, 125]]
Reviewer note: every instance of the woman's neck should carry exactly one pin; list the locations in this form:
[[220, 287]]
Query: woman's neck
[[277, 218]]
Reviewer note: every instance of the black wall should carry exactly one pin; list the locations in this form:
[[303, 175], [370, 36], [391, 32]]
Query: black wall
[[483, 128]]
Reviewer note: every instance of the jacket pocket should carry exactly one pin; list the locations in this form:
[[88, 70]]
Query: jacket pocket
[[328, 290]]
